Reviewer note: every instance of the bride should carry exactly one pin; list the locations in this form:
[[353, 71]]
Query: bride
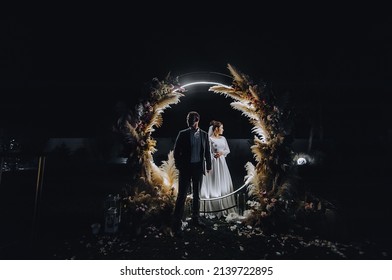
[[218, 181]]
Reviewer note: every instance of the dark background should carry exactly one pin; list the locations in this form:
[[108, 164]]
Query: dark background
[[65, 71], [71, 71]]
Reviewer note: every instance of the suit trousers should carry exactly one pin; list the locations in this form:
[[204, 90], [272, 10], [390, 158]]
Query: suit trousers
[[187, 177]]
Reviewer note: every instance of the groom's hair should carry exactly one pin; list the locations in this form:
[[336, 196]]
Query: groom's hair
[[192, 117]]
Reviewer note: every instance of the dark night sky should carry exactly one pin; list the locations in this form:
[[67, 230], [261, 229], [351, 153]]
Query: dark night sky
[[65, 72]]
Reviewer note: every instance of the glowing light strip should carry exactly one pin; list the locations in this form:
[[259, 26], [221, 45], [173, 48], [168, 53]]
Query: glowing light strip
[[204, 83], [219, 84]]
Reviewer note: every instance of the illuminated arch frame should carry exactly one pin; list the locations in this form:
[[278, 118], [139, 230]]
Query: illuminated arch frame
[[265, 182]]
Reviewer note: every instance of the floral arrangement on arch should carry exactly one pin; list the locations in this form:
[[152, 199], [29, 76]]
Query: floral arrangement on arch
[[270, 181], [272, 202], [153, 190]]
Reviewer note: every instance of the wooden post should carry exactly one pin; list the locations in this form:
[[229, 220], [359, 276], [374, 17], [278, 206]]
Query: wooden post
[[38, 196]]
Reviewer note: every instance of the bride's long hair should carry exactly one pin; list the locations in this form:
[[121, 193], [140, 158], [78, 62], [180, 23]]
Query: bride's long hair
[[213, 125]]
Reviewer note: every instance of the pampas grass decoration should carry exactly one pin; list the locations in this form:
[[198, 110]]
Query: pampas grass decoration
[[171, 173], [155, 187], [238, 77], [266, 177]]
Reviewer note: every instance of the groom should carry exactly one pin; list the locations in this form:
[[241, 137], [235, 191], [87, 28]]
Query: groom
[[193, 159]]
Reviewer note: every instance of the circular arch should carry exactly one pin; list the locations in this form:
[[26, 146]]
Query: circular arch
[[268, 181]]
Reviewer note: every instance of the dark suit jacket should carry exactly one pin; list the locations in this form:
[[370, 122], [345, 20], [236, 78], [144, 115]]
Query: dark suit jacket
[[182, 150]]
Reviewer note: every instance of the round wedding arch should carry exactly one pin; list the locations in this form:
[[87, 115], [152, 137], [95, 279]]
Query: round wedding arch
[[268, 181]]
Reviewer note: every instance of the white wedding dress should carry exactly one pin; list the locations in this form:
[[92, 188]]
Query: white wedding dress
[[217, 183]]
